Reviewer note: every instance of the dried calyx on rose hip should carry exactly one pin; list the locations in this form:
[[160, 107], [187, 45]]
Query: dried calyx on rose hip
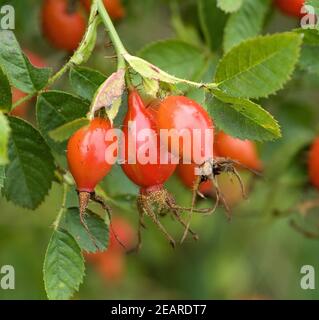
[[186, 174], [243, 151], [149, 165], [225, 146], [87, 163]]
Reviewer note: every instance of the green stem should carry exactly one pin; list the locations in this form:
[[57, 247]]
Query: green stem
[[51, 80], [24, 99], [58, 75], [118, 45]]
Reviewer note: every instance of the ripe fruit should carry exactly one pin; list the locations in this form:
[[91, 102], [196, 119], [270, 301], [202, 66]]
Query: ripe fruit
[[61, 26], [244, 151], [86, 154], [147, 174], [187, 117], [22, 109], [313, 163], [114, 8], [290, 7]]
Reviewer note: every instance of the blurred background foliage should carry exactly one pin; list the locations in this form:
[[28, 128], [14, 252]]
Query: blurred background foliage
[[257, 254]]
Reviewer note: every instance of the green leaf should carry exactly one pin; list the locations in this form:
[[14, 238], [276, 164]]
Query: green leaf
[[229, 6], [38, 76], [56, 108], [175, 57], [259, 67], [5, 92], [63, 268], [4, 137], [30, 172], [114, 110], [65, 131], [212, 21], [118, 121], [85, 82], [310, 36], [245, 23], [150, 71], [72, 198], [242, 118], [97, 226], [151, 87], [20, 72]]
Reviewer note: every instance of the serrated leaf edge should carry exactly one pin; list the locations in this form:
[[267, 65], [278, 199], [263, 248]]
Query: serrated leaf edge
[[278, 128], [49, 189], [289, 75], [45, 257]]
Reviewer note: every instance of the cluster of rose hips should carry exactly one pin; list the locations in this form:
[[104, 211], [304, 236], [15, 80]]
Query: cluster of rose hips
[[64, 21], [64, 25], [87, 148]]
